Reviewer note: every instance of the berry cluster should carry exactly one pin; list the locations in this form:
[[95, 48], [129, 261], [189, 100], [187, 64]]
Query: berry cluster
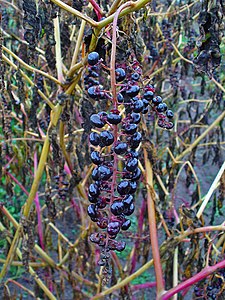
[[31, 23], [114, 141]]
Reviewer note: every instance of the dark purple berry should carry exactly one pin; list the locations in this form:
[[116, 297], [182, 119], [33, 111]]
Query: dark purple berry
[[121, 148], [120, 246], [132, 164], [92, 211], [136, 175], [104, 173], [169, 114], [126, 225], [133, 153], [138, 106], [94, 190], [114, 118], [145, 110], [136, 118], [95, 174], [120, 74], [96, 158], [133, 91], [149, 95], [113, 228], [120, 98], [145, 102], [156, 100], [94, 138], [92, 199], [127, 200], [169, 125], [93, 58], [96, 121], [92, 92], [117, 208], [130, 210], [130, 128], [106, 138], [133, 185], [135, 140], [123, 187], [160, 107], [135, 76]]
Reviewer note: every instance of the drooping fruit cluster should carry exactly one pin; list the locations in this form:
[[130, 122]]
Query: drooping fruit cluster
[[114, 142]]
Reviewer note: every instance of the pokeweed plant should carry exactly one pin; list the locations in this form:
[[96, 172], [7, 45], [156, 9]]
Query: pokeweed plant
[[95, 83]]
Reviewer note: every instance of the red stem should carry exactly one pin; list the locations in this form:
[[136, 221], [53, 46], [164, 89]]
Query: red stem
[[194, 279], [97, 9], [146, 285], [137, 242]]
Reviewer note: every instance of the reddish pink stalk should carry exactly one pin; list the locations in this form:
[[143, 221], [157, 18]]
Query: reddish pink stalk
[[17, 182], [97, 9], [146, 285], [194, 279], [38, 207], [137, 242]]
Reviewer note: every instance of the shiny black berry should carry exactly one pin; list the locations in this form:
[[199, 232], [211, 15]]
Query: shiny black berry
[[135, 76], [104, 172], [96, 121], [132, 164], [123, 187], [133, 91], [92, 199], [120, 148], [135, 140], [127, 200], [129, 210], [96, 158], [114, 118], [126, 225], [136, 118], [136, 175], [106, 138], [133, 187], [149, 95], [94, 138], [160, 107], [93, 58], [94, 190], [138, 106], [92, 211], [130, 128], [92, 92], [117, 208], [169, 114], [120, 74], [120, 98], [95, 174]]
